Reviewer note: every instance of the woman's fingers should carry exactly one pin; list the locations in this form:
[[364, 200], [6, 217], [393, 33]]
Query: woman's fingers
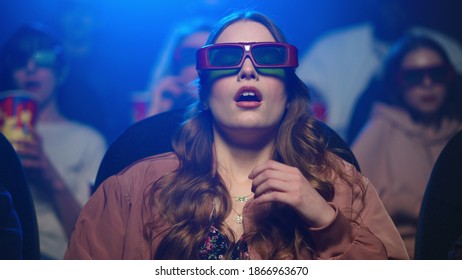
[[277, 182]]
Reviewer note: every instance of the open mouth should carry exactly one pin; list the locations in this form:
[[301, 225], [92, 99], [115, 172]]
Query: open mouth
[[248, 94], [31, 85]]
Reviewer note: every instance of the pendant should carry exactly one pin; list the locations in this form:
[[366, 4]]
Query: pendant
[[239, 219], [242, 198]]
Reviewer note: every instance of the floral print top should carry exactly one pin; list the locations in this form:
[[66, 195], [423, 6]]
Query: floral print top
[[216, 245]]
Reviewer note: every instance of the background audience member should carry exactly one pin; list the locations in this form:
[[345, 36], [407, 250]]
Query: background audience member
[[171, 85], [406, 132], [340, 65], [62, 160]]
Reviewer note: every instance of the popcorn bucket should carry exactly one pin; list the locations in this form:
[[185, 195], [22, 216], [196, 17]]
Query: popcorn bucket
[[18, 113]]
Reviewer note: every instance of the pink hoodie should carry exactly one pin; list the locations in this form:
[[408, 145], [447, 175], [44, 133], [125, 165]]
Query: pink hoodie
[[397, 155]]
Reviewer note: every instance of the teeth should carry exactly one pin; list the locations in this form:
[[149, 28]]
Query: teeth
[[248, 94]]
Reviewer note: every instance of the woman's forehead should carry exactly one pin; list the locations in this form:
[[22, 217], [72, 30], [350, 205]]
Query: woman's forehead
[[421, 57], [245, 31]]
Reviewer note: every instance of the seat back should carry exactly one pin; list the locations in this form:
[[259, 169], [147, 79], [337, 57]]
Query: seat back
[[145, 138], [13, 179], [153, 136], [440, 218]]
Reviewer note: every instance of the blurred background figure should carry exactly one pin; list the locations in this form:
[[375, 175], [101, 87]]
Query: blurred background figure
[[171, 84], [418, 114], [63, 156], [79, 23], [340, 64]]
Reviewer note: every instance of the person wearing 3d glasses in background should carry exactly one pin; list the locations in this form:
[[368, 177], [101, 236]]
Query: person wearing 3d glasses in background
[[62, 159], [419, 112], [171, 86], [250, 176]]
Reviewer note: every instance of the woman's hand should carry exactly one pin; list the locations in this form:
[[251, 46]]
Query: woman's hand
[[277, 182], [37, 166], [164, 94], [42, 174]]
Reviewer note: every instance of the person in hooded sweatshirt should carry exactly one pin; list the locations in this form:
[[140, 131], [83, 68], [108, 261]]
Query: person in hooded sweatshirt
[[408, 128]]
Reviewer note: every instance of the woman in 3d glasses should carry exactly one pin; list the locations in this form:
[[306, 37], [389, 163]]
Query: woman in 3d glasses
[[406, 132], [250, 177]]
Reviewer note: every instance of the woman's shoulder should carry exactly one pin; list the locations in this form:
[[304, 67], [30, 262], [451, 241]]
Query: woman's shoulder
[[344, 167], [160, 163], [386, 114], [384, 122], [347, 170], [71, 129], [137, 177], [149, 168]]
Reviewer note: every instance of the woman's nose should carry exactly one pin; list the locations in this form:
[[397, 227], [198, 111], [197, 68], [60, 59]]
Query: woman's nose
[[248, 71], [427, 80], [31, 66]]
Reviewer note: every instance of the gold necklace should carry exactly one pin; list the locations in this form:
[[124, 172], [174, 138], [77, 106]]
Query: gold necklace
[[239, 219], [244, 198]]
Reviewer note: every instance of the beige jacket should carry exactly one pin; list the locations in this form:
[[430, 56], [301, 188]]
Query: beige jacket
[[111, 223], [397, 155]]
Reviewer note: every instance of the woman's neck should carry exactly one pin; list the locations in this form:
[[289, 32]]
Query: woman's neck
[[235, 160], [50, 112], [432, 121]]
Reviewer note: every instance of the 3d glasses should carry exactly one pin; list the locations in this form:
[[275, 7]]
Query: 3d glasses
[[233, 55], [42, 58], [438, 74]]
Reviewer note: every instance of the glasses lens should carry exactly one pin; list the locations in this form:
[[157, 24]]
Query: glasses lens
[[439, 74], [225, 56], [413, 77], [44, 58], [269, 55]]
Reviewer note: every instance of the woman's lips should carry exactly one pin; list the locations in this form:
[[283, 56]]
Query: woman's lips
[[428, 99], [32, 86], [248, 97]]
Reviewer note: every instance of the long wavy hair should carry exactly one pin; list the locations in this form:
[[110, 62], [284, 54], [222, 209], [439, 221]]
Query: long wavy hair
[[178, 198]]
